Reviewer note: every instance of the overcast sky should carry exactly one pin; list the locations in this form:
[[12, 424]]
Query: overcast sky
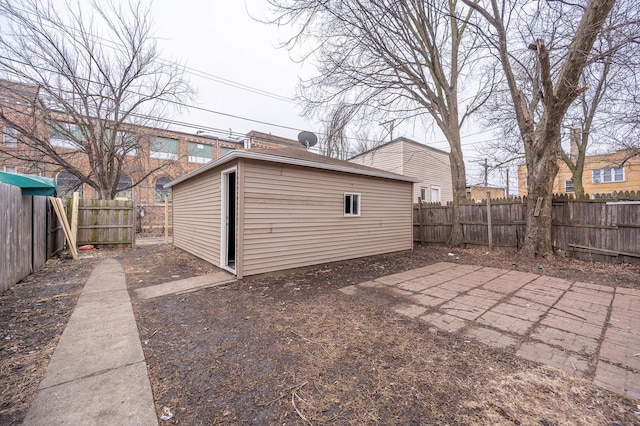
[[221, 39], [237, 69]]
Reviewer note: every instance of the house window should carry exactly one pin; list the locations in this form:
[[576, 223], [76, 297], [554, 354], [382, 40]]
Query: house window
[[10, 169], [10, 137], [164, 148], [435, 194], [124, 188], [199, 152], [568, 186], [125, 142], [351, 204], [423, 194], [65, 135], [608, 174], [226, 150], [161, 191], [68, 184]]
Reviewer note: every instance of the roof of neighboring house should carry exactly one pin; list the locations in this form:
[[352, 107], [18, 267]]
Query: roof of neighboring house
[[268, 137], [405, 140], [295, 157]]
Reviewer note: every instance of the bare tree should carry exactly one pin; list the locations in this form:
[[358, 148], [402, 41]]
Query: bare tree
[[393, 59], [363, 141], [335, 143], [610, 71], [540, 116], [90, 76], [595, 118]]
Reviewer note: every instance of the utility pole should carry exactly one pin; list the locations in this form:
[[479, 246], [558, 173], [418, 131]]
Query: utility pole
[[486, 173], [392, 124], [507, 182]]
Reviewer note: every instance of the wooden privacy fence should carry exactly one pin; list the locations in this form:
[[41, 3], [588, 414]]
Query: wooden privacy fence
[[107, 223], [29, 234], [604, 228]]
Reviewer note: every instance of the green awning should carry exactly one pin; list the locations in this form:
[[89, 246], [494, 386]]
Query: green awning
[[30, 184]]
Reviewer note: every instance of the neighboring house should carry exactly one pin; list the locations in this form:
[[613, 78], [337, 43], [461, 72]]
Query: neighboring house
[[163, 153], [264, 210], [477, 192], [603, 174], [403, 156]]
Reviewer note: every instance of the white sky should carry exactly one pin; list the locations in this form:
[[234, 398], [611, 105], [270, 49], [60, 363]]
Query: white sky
[[220, 38]]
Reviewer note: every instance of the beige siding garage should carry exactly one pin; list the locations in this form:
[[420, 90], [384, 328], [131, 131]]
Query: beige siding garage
[[196, 217], [289, 211], [294, 216]]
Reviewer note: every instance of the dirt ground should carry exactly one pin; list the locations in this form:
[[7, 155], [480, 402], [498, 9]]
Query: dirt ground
[[291, 349]]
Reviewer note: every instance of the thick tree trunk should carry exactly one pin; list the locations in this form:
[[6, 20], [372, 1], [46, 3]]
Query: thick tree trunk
[[578, 187], [458, 181], [542, 167]]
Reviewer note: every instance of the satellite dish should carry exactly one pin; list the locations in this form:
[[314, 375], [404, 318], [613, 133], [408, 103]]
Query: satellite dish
[[307, 139]]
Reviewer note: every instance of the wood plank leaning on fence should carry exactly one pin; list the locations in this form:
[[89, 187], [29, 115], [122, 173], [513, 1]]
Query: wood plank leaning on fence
[[62, 217]]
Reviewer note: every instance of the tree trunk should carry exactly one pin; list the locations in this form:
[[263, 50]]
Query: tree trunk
[[459, 184], [578, 187], [542, 166]]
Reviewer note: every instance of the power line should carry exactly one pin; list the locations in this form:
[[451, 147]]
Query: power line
[[190, 70]]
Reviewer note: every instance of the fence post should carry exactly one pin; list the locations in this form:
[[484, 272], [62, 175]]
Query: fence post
[[489, 229], [74, 216], [421, 221], [166, 219]]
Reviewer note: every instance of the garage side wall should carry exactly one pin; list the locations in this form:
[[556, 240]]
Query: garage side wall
[[294, 217], [196, 216]]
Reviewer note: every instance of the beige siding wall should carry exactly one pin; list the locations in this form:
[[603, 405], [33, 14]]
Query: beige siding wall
[[387, 157], [433, 168], [410, 159], [196, 216], [293, 217]]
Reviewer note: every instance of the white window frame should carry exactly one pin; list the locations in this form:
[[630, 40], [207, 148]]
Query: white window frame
[[14, 169], [65, 142], [569, 188], [160, 199], [196, 158], [10, 137], [358, 204], [597, 175], [423, 193], [439, 191], [164, 155]]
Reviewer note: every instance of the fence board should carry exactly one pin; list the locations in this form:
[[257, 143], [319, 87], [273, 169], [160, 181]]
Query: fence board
[[106, 223], [24, 234], [598, 229]]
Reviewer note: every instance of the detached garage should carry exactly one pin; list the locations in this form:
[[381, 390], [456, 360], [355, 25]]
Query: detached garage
[[256, 211]]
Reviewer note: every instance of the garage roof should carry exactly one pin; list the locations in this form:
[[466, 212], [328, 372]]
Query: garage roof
[[296, 157]]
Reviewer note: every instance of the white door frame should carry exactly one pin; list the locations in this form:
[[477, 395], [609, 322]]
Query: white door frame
[[224, 213]]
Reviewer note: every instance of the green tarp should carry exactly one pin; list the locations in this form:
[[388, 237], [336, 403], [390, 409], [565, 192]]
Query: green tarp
[[30, 184]]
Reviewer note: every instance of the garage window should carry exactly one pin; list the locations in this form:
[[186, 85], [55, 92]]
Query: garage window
[[351, 204]]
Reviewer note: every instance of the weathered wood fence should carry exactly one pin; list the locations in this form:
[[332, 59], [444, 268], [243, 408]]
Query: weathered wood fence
[[29, 234], [105, 223], [603, 228]]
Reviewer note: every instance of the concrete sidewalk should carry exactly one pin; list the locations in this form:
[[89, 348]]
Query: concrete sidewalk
[[186, 285], [97, 374]]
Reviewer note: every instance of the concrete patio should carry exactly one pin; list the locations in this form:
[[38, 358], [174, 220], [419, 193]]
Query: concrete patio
[[583, 329]]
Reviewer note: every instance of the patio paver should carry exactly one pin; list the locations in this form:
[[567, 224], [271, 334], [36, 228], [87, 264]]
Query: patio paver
[[582, 328]]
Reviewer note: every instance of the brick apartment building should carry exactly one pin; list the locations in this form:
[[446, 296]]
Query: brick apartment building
[[160, 156]]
